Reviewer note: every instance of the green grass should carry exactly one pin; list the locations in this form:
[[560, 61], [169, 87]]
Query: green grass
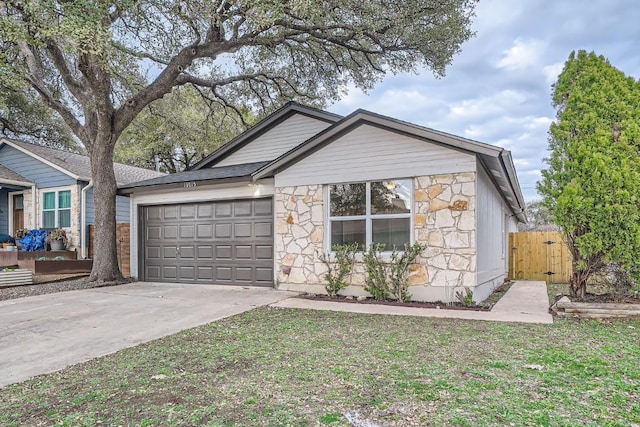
[[277, 367]]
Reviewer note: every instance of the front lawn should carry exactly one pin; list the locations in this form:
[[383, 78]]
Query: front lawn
[[280, 367]]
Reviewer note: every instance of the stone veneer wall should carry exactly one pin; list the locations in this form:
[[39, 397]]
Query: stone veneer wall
[[444, 219], [299, 237]]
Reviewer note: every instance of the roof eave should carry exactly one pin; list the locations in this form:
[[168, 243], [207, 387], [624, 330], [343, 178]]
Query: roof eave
[[174, 185], [512, 177], [16, 183]]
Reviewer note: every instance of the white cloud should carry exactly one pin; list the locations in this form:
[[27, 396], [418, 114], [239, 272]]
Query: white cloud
[[551, 72], [522, 55], [497, 89]]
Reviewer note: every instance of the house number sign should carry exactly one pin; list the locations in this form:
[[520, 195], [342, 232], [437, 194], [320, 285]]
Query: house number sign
[[190, 184]]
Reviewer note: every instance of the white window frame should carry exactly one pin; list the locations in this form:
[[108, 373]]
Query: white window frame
[[57, 208], [368, 216]]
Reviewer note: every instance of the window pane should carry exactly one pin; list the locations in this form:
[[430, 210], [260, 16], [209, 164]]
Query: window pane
[[49, 201], [18, 202], [391, 197], [64, 216], [347, 232], [347, 199], [49, 219], [64, 199], [391, 232]]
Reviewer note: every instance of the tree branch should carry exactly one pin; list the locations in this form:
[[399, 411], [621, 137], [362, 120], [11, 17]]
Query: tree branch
[[36, 81]]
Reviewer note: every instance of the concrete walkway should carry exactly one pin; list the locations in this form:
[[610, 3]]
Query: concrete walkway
[[46, 333], [525, 301]]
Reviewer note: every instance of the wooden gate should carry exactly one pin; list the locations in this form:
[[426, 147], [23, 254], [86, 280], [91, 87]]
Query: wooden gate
[[122, 246], [539, 255]]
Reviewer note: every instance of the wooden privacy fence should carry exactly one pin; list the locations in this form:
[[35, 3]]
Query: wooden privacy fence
[[539, 255], [122, 245]]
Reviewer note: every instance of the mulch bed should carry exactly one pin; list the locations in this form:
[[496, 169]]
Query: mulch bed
[[437, 305]]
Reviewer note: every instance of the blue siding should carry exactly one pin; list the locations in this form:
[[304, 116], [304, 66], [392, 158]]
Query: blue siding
[[4, 208], [43, 175], [122, 208], [91, 211]]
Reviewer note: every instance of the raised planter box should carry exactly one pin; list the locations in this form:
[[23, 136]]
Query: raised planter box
[[16, 277], [11, 258], [57, 267], [564, 307]]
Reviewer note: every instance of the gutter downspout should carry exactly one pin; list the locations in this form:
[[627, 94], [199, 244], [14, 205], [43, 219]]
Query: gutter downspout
[[83, 220]]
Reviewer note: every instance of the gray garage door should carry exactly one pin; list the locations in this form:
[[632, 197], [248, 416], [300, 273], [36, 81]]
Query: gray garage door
[[225, 242]]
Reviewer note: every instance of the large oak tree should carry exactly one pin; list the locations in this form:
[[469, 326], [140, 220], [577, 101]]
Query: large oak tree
[[99, 63]]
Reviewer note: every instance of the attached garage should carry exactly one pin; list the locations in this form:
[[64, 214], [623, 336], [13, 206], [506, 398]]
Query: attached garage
[[221, 242]]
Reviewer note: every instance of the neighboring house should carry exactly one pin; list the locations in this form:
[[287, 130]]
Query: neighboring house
[[262, 208], [41, 187]]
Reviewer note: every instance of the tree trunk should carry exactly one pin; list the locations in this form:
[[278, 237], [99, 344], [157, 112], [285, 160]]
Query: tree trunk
[[578, 281], [105, 259]]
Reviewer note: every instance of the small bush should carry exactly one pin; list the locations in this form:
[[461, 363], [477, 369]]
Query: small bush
[[465, 298], [376, 281], [399, 270], [339, 270], [388, 280]]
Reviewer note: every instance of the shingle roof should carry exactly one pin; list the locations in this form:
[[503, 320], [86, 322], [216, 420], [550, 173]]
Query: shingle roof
[[208, 174], [9, 175], [79, 165]]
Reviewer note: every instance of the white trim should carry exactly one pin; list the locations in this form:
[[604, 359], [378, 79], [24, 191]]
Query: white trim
[[83, 219], [56, 191], [34, 206], [18, 183], [35, 156]]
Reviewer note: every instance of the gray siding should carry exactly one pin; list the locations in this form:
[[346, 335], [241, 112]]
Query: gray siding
[[4, 208], [285, 136], [492, 226], [43, 175], [368, 153], [122, 208]]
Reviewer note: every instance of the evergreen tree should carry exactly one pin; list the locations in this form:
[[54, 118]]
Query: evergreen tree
[[592, 184]]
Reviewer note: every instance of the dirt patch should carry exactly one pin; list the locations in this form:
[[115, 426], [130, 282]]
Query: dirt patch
[[607, 298]]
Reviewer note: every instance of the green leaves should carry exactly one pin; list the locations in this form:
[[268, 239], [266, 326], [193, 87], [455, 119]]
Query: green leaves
[[592, 184]]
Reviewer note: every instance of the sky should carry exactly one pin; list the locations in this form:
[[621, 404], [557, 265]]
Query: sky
[[498, 88]]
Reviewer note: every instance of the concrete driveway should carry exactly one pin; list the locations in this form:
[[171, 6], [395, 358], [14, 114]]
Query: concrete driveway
[[46, 333]]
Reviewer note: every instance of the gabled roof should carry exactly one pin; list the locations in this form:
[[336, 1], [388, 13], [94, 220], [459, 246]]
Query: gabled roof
[[77, 166], [266, 124], [497, 160], [202, 176], [10, 177]]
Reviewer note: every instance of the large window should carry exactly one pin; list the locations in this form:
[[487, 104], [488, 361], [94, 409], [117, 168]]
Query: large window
[[371, 212], [56, 209]]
